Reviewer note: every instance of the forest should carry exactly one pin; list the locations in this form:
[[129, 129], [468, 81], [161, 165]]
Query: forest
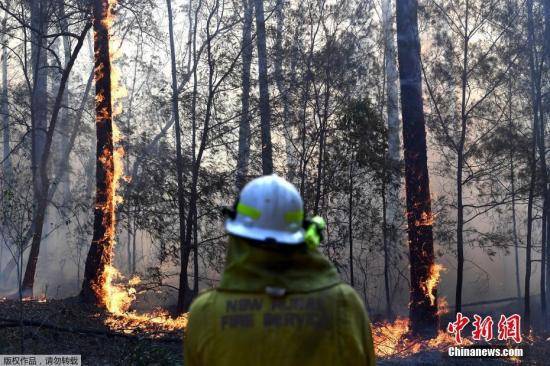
[[416, 128]]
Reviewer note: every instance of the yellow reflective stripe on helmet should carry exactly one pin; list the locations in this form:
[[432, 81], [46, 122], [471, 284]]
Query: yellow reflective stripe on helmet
[[294, 216], [249, 211]]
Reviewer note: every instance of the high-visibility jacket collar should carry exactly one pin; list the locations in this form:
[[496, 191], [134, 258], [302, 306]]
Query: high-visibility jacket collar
[[296, 269]]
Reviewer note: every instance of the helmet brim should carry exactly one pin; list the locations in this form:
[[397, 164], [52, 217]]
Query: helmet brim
[[281, 237]]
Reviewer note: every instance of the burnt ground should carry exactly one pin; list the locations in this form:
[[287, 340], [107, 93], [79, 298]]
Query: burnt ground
[[70, 327]]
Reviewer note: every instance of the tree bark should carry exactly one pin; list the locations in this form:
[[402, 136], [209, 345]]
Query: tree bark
[[350, 224], [546, 109], [44, 189], [65, 180], [39, 114], [394, 140], [175, 113], [535, 98], [422, 312], [385, 240], [7, 166], [284, 88], [513, 192], [265, 113], [459, 168], [101, 249], [244, 127]]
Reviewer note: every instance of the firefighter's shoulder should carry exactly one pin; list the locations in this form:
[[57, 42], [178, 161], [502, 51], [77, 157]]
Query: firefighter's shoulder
[[204, 298], [350, 296]]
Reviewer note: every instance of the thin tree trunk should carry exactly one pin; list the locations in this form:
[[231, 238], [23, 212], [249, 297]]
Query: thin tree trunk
[[350, 223], [39, 115], [394, 130], [423, 312], [385, 240], [7, 166], [244, 127], [185, 249], [513, 193], [535, 93], [44, 189], [64, 116], [545, 110], [265, 113], [284, 88], [175, 113], [459, 168], [101, 249]]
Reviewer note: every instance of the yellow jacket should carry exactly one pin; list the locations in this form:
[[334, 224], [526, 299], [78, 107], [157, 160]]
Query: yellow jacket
[[278, 307]]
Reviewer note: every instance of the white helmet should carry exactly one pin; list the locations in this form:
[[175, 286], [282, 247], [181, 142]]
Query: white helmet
[[268, 209]]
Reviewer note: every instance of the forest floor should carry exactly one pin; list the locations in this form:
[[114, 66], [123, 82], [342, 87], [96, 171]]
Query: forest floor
[[70, 327]]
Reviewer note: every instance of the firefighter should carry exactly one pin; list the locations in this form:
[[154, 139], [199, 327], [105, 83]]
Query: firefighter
[[279, 301]]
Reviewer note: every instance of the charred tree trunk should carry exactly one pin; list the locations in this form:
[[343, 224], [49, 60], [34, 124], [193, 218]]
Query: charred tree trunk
[[265, 113], [244, 127], [101, 249], [423, 313]]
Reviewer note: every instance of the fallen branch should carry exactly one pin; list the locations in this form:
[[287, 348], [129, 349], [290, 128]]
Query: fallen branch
[[94, 332]]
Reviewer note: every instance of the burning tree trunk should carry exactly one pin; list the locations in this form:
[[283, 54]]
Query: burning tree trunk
[[423, 300], [101, 249]]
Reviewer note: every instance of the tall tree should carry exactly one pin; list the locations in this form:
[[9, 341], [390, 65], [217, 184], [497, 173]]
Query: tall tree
[[392, 201], [244, 126], [39, 115], [265, 113], [101, 249], [42, 188], [535, 89], [7, 166], [64, 115], [423, 312], [177, 127], [546, 102]]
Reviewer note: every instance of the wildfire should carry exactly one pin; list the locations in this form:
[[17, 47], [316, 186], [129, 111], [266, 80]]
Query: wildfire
[[115, 295], [426, 219], [393, 340], [433, 279]]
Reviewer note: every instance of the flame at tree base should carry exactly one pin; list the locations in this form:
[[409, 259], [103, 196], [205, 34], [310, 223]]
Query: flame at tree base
[[118, 298], [393, 340]]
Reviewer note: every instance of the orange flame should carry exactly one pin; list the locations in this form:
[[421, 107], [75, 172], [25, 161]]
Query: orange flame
[[393, 340], [431, 282], [116, 296]]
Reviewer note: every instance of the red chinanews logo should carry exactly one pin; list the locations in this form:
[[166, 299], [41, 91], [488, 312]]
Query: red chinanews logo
[[509, 328]]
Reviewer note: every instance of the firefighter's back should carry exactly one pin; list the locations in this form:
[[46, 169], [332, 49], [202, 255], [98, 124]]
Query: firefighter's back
[[323, 327], [280, 301]]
